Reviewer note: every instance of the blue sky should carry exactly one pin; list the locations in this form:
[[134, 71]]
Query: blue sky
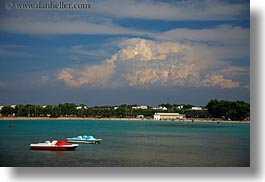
[[134, 52]]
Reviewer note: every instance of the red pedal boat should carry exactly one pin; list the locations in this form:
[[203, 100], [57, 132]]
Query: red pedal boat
[[54, 145]]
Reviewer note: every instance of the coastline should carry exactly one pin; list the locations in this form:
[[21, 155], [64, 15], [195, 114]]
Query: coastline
[[198, 120]]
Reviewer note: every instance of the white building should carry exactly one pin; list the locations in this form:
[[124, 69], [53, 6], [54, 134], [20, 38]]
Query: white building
[[180, 107], [168, 116], [196, 108], [13, 106], [140, 116], [140, 107], [160, 108], [81, 107], [1, 107]]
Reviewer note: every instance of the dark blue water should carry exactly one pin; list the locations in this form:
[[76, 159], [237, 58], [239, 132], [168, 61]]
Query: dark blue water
[[127, 143]]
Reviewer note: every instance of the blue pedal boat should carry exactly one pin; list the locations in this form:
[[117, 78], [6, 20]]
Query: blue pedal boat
[[84, 139]]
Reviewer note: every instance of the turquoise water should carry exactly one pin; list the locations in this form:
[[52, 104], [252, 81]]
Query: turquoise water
[[127, 143]]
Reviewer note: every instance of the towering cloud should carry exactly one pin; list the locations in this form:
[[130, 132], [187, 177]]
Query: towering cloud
[[96, 75], [141, 62]]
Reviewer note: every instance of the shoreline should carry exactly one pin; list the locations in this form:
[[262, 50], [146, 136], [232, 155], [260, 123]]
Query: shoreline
[[195, 120]]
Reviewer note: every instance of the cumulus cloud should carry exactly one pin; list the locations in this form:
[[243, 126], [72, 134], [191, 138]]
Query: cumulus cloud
[[146, 50], [182, 75], [141, 62], [218, 80], [96, 75]]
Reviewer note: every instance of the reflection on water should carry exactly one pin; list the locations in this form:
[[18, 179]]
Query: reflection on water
[[128, 143]]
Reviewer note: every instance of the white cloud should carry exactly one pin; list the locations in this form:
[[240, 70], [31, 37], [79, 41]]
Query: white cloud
[[100, 17], [217, 80], [145, 62], [40, 26], [40, 80], [234, 71], [13, 51], [171, 10], [145, 9], [223, 34], [85, 52], [220, 43], [146, 50], [96, 75]]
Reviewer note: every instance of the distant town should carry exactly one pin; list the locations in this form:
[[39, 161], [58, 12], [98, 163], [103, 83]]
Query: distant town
[[220, 109]]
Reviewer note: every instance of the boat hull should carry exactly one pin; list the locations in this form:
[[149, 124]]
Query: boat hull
[[53, 148], [84, 141]]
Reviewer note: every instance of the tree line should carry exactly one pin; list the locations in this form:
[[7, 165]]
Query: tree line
[[237, 110]]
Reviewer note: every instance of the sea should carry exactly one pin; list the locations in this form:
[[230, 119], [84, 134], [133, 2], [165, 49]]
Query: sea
[[127, 144]]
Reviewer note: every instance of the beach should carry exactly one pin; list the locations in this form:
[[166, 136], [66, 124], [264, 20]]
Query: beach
[[201, 120]]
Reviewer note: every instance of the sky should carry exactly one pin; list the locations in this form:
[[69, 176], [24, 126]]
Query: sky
[[125, 52]]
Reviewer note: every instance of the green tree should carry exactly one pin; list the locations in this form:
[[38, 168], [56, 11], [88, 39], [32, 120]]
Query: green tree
[[67, 109], [7, 111], [237, 110]]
